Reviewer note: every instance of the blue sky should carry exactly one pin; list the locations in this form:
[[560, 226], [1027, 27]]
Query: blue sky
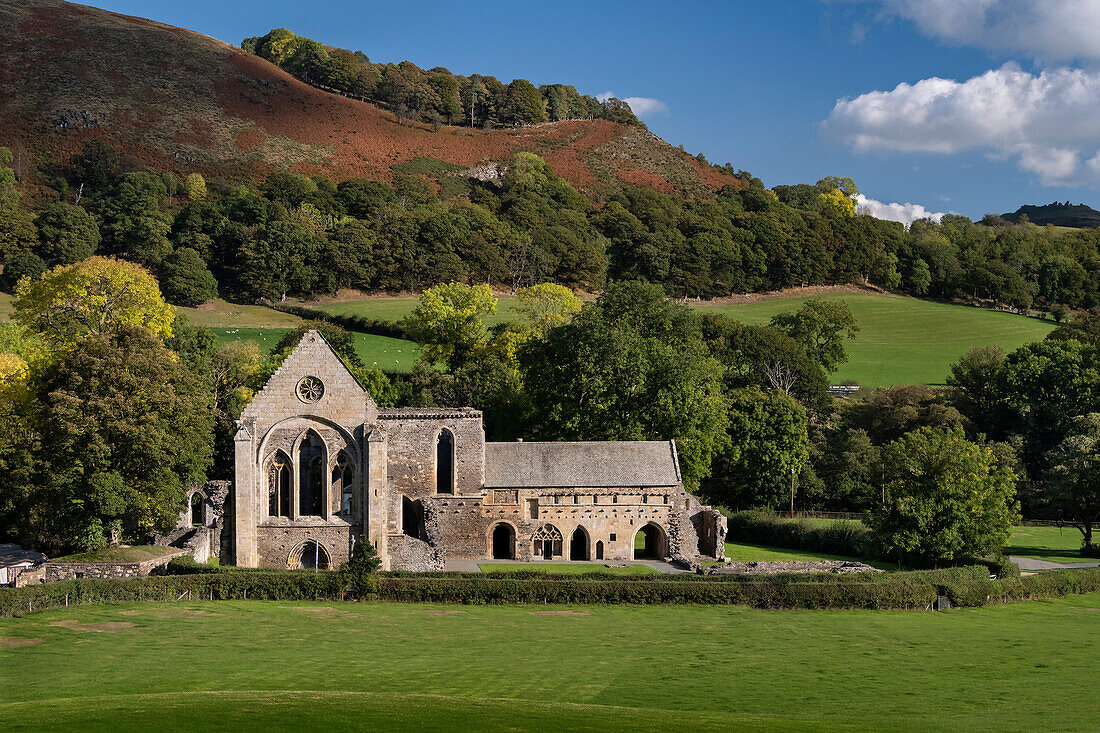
[[1001, 107]]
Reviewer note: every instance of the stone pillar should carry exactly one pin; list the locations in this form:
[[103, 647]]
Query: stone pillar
[[245, 497], [377, 494]]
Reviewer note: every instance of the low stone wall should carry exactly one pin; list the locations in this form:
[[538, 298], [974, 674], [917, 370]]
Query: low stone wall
[[771, 567], [71, 570]]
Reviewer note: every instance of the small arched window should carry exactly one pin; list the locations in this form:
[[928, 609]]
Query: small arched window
[[278, 487], [343, 476], [445, 462]]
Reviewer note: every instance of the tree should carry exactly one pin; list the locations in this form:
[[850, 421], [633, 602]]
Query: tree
[[947, 499], [186, 280], [132, 224], [974, 381], [95, 297], [767, 443], [821, 326], [450, 321], [625, 369], [1074, 480], [195, 186], [67, 234], [125, 429], [547, 305], [21, 265], [96, 165]]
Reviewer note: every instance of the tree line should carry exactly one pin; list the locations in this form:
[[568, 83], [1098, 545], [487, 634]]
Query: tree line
[[434, 95], [299, 236]]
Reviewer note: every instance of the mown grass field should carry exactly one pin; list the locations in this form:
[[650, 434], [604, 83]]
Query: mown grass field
[[394, 309], [318, 666], [1055, 544], [905, 340], [379, 352], [902, 340]]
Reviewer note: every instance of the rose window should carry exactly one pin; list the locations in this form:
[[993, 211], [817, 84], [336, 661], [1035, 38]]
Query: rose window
[[310, 389]]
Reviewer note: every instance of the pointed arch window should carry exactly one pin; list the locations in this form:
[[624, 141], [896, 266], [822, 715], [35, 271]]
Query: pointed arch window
[[445, 462], [310, 475], [278, 487], [343, 476]]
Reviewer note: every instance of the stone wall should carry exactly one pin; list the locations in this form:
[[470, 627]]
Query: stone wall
[[276, 543], [411, 437], [71, 570], [414, 555]]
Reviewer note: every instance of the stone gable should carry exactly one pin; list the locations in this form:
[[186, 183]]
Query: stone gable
[[342, 399]]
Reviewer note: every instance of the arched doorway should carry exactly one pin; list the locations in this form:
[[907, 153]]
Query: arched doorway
[[504, 542], [599, 550], [578, 545], [546, 542], [310, 556], [649, 543]]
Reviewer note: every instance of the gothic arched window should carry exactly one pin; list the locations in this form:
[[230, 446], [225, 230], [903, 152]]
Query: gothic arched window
[[343, 475], [278, 486], [311, 475], [445, 462]]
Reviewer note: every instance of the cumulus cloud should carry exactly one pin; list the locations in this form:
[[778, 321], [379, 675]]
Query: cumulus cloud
[[1044, 29], [1047, 122], [905, 213], [641, 106]]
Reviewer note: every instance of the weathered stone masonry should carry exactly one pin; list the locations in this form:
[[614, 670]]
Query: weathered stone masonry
[[318, 465]]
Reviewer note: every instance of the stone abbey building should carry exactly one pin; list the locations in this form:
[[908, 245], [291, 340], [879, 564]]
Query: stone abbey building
[[319, 464]]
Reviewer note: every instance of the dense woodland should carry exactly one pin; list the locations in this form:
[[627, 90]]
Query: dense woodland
[[435, 95], [747, 405], [304, 237]]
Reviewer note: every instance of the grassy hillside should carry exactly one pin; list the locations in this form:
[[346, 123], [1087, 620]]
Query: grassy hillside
[[902, 341], [381, 666], [379, 352], [181, 101], [905, 340]]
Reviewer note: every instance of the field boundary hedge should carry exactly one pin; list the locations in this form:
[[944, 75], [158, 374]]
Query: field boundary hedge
[[361, 324], [966, 587]]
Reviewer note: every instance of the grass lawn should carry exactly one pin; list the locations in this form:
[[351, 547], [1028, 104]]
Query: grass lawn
[[564, 569], [394, 309], [295, 665], [231, 315], [119, 553], [906, 340], [1047, 543], [743, 552], [379, 352], [5, 307]]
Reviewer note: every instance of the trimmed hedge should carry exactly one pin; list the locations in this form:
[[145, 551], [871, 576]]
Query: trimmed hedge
[[968, 586], [350, 323], [764, 528], [845, 538]]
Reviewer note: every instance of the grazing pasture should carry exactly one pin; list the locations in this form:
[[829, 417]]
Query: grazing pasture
[[385, 666], [905, 340]]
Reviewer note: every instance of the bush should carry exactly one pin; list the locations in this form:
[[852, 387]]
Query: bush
[[850, 539]]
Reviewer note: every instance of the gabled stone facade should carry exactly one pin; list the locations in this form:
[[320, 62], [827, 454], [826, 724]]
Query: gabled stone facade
[[319, 465]]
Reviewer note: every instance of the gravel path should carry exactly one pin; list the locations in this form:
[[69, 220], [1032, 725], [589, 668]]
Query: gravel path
[[1029, 563]]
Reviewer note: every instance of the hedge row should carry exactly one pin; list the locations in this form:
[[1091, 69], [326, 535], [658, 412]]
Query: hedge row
[[846, 538], [350, 323], [917, 590]]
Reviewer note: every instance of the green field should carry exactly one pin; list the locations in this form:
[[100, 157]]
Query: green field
[[565, 569], [902, 340], [379, 352], [1054, 544], [380, 666], [119, 553], [906, 340], [394, 309]]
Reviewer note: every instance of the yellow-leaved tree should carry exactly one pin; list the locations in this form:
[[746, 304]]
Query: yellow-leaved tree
[[450, 321], [97, 296], [547, 305]]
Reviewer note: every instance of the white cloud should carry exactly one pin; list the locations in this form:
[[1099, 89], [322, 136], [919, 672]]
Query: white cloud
[[1044, 29], [905, 213], [1047, 122], [641, 106]]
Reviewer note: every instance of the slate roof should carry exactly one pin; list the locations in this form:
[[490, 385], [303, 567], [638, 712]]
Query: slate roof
[[11, 555], [610, 464]]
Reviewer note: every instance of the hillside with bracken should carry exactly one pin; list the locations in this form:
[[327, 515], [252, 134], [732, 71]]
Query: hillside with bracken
[[175, 100]]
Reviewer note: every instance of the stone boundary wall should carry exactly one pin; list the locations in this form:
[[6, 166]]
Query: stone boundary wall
[[70, 570]]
